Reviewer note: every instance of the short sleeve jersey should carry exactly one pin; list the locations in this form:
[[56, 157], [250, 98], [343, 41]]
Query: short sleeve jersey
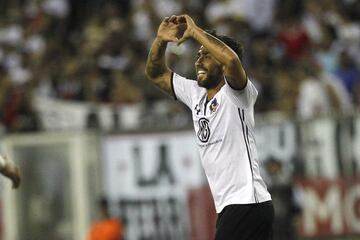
[[224, 128]]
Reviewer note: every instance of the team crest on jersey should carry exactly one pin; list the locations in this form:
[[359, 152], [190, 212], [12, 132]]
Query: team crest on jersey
[[214, 105]]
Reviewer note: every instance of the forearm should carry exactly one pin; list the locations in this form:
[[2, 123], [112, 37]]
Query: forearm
[[156, 64], [233, 69], [222, 53]]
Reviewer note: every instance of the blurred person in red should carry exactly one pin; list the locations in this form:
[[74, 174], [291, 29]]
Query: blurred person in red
[[106, 228], [293, 38], [10, 170]]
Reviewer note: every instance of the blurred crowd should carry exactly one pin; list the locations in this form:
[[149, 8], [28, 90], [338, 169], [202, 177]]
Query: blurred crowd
[[304, 55]]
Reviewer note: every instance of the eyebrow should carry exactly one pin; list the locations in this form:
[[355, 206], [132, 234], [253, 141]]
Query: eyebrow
[[202, 52]]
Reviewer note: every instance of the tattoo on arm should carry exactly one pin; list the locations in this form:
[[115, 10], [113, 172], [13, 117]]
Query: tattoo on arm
[[156, 60], [156, 70], [157, 53], [156, 67]]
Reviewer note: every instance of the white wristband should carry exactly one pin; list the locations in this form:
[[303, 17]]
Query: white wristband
[[2, 162]]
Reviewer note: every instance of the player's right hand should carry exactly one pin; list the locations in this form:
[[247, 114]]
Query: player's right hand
[[170, 30]]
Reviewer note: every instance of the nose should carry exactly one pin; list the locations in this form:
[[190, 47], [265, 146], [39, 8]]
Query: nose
[[198, 62]]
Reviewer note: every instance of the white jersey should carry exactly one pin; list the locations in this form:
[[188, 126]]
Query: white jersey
[[225, 132]]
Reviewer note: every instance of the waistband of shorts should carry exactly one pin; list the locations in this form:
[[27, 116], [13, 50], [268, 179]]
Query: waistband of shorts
[[261, 204]]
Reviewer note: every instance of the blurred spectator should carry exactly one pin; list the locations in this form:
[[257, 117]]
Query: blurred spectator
[[56, 8], [287, 81], [349, 36], [340, 98], [311, 20], [264, 21], [319, 92], [106, 228], [18, 114], [348, 73], [293, 38], [279, 181], [93, 121], [327, 52], [95, 52], [123, 90]]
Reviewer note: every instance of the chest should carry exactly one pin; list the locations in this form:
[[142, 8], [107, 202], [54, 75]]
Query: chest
[[203, 108], [220, 109], [217, 118]]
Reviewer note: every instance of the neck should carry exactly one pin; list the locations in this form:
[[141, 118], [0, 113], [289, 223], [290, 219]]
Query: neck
[[212, 91]]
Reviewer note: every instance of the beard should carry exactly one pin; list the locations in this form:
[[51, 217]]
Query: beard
[[210, 79]]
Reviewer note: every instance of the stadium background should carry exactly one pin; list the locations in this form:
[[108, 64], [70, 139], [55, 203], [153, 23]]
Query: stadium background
[[79, 118]]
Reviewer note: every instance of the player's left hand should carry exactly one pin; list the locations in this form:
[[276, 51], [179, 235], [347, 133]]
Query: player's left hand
[[11, 171], [190, 27]]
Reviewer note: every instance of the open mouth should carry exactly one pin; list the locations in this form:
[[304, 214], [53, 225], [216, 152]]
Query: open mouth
[[201, 72]]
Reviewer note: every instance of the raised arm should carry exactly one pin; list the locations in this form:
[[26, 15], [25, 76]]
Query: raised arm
[[156, 69], [233, 69]]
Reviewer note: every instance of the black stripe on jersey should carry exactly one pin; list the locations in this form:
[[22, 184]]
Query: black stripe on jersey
[[246, 139], [247, 136], [205, 105], [248, 144], [172, 85]]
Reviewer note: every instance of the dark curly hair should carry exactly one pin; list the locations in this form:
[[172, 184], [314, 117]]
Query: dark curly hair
[[231, 42]]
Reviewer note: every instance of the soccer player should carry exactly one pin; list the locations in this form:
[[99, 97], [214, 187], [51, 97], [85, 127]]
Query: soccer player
[[10, 170], [222, 103]]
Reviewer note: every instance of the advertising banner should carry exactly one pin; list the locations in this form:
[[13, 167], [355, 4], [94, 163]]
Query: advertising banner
[[330, 208], [148, 177]]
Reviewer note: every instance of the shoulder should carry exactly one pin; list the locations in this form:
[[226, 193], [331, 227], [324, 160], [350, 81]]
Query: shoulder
[[246, 96], [185, 89], [175, 77]]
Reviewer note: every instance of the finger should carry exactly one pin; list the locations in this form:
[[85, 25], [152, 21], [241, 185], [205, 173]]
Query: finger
[[16, 180], [15, 183], [181, 19], [165, 21], [181, 40], [172, 19], [174, 39]]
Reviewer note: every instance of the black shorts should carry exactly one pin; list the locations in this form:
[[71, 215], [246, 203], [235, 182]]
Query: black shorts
[[246, 222]]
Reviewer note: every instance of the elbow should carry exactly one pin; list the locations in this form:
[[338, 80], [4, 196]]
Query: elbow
[[148, 73]]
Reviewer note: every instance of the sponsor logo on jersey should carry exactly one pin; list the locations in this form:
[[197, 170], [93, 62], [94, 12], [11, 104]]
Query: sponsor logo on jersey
[[204, 130], [197, 109]]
